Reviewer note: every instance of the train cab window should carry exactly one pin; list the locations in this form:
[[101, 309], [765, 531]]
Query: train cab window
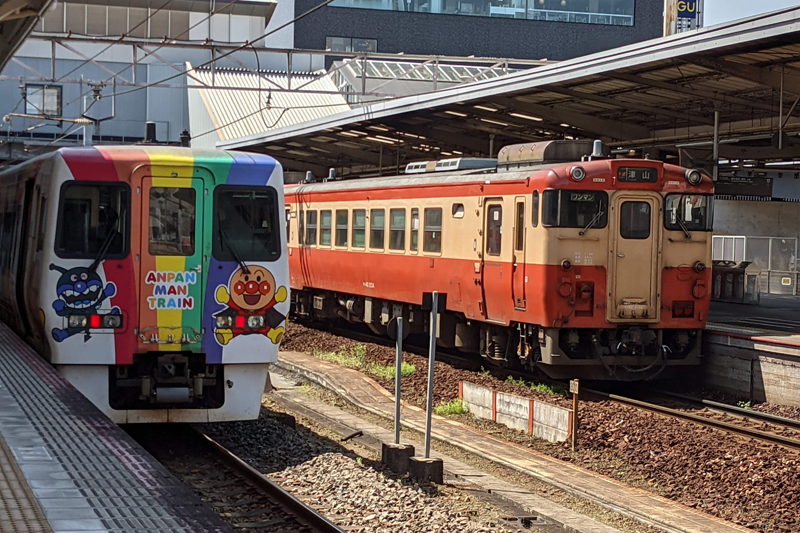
[[311, 228], [341, 227], [325, 228], [414, 245], [494, 230], [246, 224], [91, 218], [377, 225], [634, 220], [520, 236], [397, 229], [458, 210], [535, 209], [433, 231], [172, 221], [575, 209], [359, 228], [690, 212]]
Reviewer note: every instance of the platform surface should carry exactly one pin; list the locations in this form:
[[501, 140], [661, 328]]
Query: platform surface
[[66, 468]]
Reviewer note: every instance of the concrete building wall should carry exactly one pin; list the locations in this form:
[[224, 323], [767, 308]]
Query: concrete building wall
[[461, 35], [757, 219]]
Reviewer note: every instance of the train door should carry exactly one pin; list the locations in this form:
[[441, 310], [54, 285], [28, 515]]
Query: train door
[[496, 274], [518, 289], [635, 254], [171, 263]]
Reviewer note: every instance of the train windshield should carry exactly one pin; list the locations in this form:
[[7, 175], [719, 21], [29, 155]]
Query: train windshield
[[575, 209], [246, 224], [92, 218], [693, 212]]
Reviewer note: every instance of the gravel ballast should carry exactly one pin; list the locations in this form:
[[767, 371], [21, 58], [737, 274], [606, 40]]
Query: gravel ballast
[[747, 482]]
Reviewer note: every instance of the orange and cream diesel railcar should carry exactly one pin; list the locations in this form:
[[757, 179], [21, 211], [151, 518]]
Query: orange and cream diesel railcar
[[578, 264]]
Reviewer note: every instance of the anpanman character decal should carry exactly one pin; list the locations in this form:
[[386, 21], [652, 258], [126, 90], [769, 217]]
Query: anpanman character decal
[[80, 293], [251, 297]]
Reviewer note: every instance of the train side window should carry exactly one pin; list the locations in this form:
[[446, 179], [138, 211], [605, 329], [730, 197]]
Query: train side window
[[377, 225], [414, 245], [288, 223], [458, 210], [359, 228], [520, 244], [325, 228], [172, 221], [433, 231], [397, 229], [342, 227], [88, 216], [494, 230], [311, 228], [535, 209], [634, 220]]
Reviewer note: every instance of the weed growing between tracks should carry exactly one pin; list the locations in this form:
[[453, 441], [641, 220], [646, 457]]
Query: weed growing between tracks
[[356, 357], [454, 407]]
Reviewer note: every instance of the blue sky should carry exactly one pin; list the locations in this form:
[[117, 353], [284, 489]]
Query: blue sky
[[718, 11]]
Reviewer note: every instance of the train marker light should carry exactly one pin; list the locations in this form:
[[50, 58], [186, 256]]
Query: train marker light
[[239, 321], [94, 321], [566, 265], [699, 267], [694, 177], [577, 173]]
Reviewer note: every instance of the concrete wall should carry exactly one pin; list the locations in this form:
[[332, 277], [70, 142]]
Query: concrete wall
[[753, 369], [757, 219], [461, 35]]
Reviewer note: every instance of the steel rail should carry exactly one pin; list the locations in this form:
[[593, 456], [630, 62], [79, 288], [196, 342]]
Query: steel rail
[[735, 410], [315, 520], [710, 422]]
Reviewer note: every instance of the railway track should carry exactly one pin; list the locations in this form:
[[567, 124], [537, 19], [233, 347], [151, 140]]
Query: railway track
[[239, 493], [772, 434]]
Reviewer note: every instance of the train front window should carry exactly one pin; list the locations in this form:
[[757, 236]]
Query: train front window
[[692, 212], [575, 209], [246, 224], [91, 218], [172, 221]]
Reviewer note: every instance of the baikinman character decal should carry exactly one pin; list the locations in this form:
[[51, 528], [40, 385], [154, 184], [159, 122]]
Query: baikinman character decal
[[80, 292]]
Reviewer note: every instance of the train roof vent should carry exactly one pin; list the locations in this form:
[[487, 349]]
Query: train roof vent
[[523, 155]]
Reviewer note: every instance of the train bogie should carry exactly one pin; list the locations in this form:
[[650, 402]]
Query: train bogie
[[593, 268]]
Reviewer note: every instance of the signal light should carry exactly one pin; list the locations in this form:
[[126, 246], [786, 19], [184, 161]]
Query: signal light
[[78, 321], [224, 322]]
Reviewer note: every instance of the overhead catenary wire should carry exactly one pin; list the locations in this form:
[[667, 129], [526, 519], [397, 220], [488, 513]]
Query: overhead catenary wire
[[228, 5]]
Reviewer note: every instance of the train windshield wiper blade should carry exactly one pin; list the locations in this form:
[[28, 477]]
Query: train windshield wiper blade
[[230, 245], [101, 253], [684, 228], [592, 222]]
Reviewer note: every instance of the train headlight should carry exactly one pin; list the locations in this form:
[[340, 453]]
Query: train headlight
[[224, 322], [112, 321], [699, 267], [694, 177], [78, 321], [255, 322], [577, 173]]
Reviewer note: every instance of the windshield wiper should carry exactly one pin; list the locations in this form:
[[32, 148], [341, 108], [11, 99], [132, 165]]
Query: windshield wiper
[[592, 222], [106, 245], [230, 245], [684, 228]]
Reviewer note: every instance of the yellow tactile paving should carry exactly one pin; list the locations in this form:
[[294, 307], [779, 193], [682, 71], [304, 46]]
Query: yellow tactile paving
[[19, 512]]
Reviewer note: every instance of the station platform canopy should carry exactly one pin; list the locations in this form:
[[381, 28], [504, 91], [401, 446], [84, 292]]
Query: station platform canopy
[[658, 98], [17, 19]]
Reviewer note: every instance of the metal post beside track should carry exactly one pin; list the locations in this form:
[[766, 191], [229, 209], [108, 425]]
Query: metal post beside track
[[574, 388], [434, 322], [398, 364]]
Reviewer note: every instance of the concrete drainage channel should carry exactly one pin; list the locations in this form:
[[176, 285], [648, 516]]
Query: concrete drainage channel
[[549, 517]]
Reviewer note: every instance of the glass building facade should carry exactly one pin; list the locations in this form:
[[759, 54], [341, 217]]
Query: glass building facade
[[610, 12]]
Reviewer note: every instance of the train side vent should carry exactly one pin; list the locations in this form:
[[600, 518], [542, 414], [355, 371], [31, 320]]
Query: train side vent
[[524, 155]]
